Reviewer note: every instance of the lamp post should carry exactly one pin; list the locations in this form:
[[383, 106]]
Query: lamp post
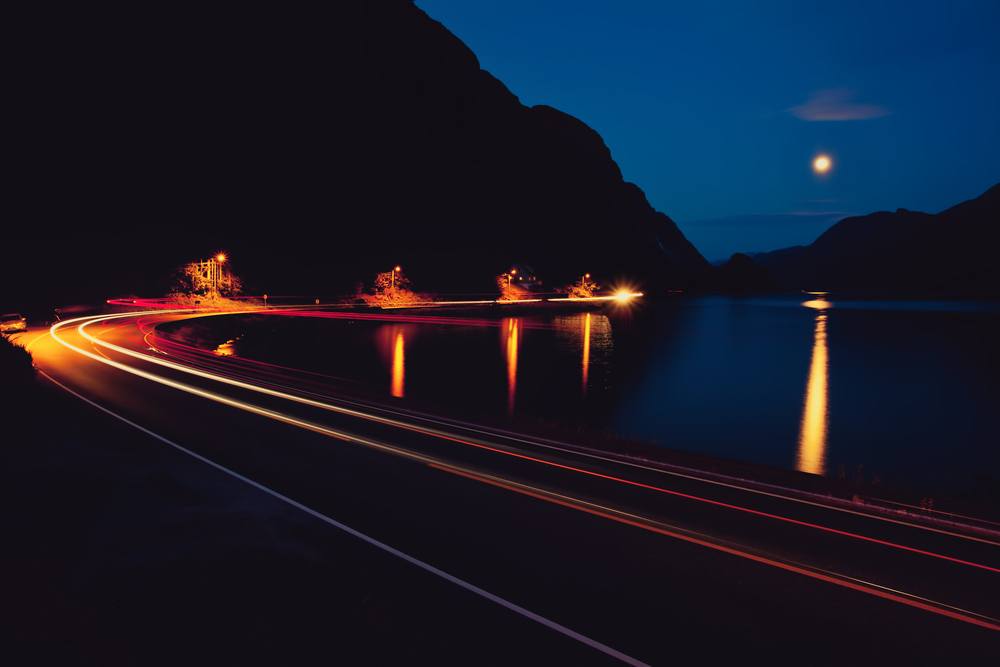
[[392, 281], [217, 272], [510, 276]]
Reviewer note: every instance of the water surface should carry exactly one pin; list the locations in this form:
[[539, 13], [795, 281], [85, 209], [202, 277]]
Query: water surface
[[903, 390]]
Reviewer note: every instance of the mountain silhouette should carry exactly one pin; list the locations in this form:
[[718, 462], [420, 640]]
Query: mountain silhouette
[[317, 150], [903, 251], [741, 273]]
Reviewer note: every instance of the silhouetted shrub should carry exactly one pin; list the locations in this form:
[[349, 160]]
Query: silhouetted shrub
[[17, 371]]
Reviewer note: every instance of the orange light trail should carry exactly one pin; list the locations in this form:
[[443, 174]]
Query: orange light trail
[[366, 538], [872, 589], [166, 303], [288, 419]]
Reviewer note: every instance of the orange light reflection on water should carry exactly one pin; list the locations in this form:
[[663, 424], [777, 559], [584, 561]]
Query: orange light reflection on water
[[398, 371], [586, 352], [511, 345], [815, 416]]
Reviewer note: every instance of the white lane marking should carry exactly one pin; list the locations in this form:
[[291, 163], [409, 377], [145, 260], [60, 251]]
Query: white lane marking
[[471, 428], [430, 568], [371, 540]]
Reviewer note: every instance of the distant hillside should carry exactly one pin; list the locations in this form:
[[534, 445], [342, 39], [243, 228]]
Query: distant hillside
[[317, 150], [955, 250], [743, 274]]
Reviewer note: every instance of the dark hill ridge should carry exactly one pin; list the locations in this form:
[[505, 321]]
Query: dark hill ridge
[[746, 275], [954, 250], [317, 150], [550, 191]]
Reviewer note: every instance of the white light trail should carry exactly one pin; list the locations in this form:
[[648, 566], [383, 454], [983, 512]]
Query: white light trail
[[83, 322]]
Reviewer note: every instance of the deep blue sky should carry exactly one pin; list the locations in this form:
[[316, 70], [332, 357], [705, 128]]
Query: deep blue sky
[[717, 109]]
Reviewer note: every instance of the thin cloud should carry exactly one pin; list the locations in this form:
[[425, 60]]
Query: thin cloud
[[818, 213], [772, 219], [836, 104]]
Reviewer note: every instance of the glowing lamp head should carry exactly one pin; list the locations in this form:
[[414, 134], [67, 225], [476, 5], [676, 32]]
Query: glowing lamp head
[[513, 271], [398, 269], [821, 164], [586, 275], [221, 257]]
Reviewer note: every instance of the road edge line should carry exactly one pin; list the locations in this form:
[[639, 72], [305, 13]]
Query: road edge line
[[572, 634]]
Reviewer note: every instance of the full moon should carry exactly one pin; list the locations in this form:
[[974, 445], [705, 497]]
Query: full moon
[[821, 164]]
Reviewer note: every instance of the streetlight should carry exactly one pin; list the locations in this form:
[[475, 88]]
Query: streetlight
[[392, 281], [510, 276], [217, 270]]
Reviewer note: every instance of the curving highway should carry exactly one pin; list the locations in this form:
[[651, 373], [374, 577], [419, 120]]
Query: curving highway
[[633, 562]]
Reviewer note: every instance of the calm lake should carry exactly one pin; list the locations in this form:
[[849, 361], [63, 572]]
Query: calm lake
[[908, 390]]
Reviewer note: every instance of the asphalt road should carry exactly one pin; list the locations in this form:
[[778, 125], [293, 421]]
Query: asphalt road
[[558, 555]]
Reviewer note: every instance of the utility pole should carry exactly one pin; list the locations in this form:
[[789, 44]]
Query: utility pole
[[217, 271]]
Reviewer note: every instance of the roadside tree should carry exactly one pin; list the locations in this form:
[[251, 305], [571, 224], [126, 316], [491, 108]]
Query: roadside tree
[[508, 288], [583, 288], [209, 279], [391, 291]]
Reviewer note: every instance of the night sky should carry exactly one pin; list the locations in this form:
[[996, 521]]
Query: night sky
[[718, 109]]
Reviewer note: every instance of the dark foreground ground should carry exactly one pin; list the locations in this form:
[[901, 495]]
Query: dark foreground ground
[[118, 550]]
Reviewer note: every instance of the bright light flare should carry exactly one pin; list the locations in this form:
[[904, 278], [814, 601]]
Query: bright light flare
[[822, 164], [221, 257], [625, 295]]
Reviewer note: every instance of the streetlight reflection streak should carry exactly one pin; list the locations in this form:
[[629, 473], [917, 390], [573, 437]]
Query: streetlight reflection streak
[[397, 366], [815, 416], [586, 352], [512, 335]]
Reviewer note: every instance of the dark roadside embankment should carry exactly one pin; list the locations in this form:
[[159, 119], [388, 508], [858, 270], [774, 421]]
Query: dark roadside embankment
[[120, 550]]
